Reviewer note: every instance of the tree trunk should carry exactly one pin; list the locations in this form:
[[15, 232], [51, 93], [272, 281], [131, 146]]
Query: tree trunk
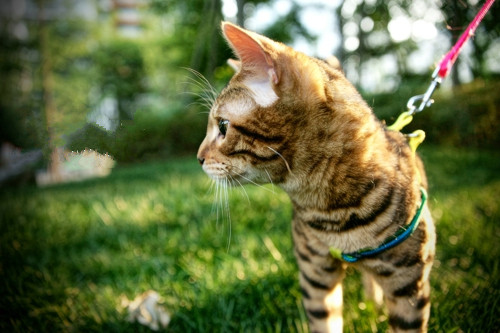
[[205, 51], [47, 91], [240, 16]]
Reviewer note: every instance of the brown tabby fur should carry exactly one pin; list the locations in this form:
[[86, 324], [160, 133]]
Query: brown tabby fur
[[297, 122]]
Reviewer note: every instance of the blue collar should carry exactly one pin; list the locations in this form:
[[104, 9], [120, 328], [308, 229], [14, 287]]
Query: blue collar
[[400, 236]]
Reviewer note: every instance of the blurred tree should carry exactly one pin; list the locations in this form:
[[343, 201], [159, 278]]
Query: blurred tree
[[66, 71], [288, 27], [21, 95], [196, 33], [198, 23], [365, 34], [285, 28], [207, 46], [48, 89], [18, 114], [240, 14], [121, 73], [243, 9], [46, 74]]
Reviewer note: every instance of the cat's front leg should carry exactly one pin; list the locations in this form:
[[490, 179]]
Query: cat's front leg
[[321, 283]]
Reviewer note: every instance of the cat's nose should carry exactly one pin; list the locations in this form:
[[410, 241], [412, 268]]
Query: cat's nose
[[201, 160]]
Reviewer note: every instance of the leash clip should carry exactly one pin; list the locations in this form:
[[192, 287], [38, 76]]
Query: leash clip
[[424, 99]]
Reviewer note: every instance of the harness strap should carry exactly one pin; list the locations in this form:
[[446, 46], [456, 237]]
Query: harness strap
[[400, 236]]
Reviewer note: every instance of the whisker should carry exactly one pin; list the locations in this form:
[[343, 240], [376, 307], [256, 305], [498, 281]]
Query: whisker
[[254, 183], [220, 205], [217, 202], [284, 160], [213, 188], [221, 199], [206, 102], [242, 188], [226, 198], [207, 94], [270, 180], [212, 185], [202, 83]]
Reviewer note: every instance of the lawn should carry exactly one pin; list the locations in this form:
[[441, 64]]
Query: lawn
[[71, 252]]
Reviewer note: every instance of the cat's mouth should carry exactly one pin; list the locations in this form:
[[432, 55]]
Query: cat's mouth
[[223, 172], [216, 173]]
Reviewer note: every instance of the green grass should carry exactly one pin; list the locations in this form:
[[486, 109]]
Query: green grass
[[70, 252]]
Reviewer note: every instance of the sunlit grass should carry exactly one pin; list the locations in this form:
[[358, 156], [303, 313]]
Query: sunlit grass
[[70, 252]]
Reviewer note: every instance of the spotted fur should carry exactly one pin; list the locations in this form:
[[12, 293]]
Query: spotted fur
[[297, 122]]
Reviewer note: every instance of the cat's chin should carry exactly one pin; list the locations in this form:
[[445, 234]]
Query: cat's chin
[[229, 179]]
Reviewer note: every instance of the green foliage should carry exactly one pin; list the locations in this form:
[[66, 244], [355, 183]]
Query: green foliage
[[149, 136], [70, 252], [90, 136]]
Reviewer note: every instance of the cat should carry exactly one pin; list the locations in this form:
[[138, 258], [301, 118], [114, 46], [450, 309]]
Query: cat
[[297, 122]]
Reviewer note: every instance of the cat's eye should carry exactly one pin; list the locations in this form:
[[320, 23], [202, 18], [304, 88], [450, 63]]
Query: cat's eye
[[223, 125]]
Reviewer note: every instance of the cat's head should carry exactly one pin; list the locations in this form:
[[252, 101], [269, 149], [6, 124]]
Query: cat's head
[[275, 116]]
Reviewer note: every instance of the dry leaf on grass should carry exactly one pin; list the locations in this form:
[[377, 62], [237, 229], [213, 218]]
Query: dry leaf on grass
[[146, 310]]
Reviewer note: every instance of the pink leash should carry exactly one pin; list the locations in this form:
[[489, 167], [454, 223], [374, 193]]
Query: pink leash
[[447, 62], [451, 56]]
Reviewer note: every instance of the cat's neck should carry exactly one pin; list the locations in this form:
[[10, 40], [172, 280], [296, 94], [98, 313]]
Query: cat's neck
[[362, 159]]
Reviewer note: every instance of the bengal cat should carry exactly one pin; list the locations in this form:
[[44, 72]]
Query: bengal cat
[[297, 122]]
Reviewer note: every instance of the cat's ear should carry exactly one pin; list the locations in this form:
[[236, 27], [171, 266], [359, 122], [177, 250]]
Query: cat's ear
[[334, 63], [259, 69], [247, 46]]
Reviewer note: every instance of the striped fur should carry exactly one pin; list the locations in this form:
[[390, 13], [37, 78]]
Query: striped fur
[[297, 122]]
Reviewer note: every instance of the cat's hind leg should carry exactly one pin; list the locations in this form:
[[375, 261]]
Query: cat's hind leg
[[406, 290], [405, 282], [409, 306]]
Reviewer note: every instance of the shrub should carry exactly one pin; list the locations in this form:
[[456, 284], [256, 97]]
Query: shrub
[[468, 116], [148, 136]]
